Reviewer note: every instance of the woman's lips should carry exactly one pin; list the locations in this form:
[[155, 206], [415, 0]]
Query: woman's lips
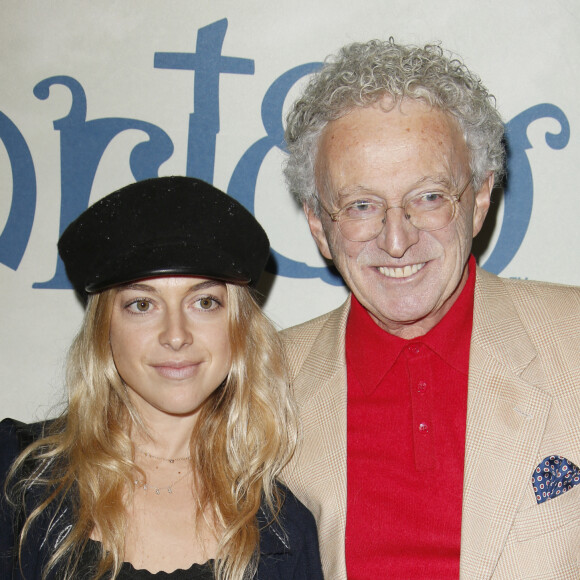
[[180, 370]]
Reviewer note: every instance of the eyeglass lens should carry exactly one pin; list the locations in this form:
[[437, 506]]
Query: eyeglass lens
[[427, 213]]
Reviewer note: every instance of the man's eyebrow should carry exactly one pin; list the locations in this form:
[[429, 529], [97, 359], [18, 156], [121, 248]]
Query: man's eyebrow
[[354, 190], [442, 180], [428, 180]]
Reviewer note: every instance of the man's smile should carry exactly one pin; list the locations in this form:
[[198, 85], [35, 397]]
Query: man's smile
[[401, 271]]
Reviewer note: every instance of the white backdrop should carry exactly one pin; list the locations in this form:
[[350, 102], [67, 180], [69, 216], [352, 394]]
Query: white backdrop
[[124, 57]]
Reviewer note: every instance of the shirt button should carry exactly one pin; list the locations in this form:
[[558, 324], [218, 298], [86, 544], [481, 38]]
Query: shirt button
[[421, 386], [414, 348], [423, 428]]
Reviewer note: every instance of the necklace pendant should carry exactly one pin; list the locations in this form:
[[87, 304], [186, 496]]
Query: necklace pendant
[[157, 492]]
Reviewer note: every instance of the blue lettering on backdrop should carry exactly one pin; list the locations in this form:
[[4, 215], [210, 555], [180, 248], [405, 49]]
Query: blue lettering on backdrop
[[243, 182], [204, 122], [16, 233], [519, 191], [83, 143]]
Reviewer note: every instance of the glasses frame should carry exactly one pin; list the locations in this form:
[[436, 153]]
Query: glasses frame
[[454, 197]]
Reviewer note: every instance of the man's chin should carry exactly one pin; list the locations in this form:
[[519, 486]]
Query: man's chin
[[399, 317]]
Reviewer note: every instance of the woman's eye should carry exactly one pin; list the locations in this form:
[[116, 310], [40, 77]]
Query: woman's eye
[[140, 305], [207, 303]]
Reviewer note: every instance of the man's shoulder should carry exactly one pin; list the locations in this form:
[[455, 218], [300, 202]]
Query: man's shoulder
[[544, 315], [543, 289], [550, 295], [323, 335], [311, 328]]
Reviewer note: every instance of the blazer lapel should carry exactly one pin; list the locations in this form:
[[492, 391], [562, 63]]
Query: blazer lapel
[[318, 472], [321, 388], [506, 418]]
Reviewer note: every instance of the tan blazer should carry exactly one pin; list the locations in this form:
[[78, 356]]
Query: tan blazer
[[523, 405]]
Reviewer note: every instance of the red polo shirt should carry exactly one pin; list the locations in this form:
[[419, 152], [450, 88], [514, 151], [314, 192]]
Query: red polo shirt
[[407, 404]]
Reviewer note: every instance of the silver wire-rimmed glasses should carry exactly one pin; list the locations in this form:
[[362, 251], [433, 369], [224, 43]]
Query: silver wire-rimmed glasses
[[363, 220]]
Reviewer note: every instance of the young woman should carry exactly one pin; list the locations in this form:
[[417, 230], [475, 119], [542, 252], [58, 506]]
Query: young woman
[[178, 419]]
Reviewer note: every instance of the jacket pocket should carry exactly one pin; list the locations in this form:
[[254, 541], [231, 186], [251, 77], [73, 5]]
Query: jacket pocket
[[544, 542], [546, 517]]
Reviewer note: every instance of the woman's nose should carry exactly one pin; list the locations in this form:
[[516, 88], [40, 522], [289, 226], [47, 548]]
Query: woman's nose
[[176, 331]]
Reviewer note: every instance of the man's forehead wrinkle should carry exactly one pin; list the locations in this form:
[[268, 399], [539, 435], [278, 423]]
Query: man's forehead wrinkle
[[353, 190], [443, 180]]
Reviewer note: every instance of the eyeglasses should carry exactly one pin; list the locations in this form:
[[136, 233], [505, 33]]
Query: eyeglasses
[[363, 220]]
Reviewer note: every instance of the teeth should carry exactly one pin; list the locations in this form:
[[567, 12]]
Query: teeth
[[403, 272]]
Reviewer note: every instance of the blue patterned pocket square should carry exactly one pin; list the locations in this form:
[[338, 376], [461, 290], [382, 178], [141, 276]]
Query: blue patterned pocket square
[[554, 476]]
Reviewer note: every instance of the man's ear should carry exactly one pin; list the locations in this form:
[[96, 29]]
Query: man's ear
[[317, 231], [482, 201]]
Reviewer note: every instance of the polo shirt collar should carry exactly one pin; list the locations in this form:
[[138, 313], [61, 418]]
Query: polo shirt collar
[[371, 351]]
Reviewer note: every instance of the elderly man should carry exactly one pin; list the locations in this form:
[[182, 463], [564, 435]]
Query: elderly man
[[440, 404]]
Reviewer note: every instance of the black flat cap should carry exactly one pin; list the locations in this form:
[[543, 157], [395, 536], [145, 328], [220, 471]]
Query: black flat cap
[[166, 226]]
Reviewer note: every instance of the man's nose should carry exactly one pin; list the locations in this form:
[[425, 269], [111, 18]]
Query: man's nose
[[398, 233]]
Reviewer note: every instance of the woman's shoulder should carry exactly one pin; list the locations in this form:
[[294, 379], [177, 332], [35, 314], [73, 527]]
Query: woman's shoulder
[[11, 434], [15, 436], [8, 426], [22, 434]]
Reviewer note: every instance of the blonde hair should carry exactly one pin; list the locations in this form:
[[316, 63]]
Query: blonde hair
[[245, 433]]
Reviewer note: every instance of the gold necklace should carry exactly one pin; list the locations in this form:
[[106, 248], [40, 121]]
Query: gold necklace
[[145, 485]]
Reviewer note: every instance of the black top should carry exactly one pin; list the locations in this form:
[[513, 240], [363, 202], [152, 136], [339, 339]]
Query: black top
[[288, 546], [196, 572], [128, 572]]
